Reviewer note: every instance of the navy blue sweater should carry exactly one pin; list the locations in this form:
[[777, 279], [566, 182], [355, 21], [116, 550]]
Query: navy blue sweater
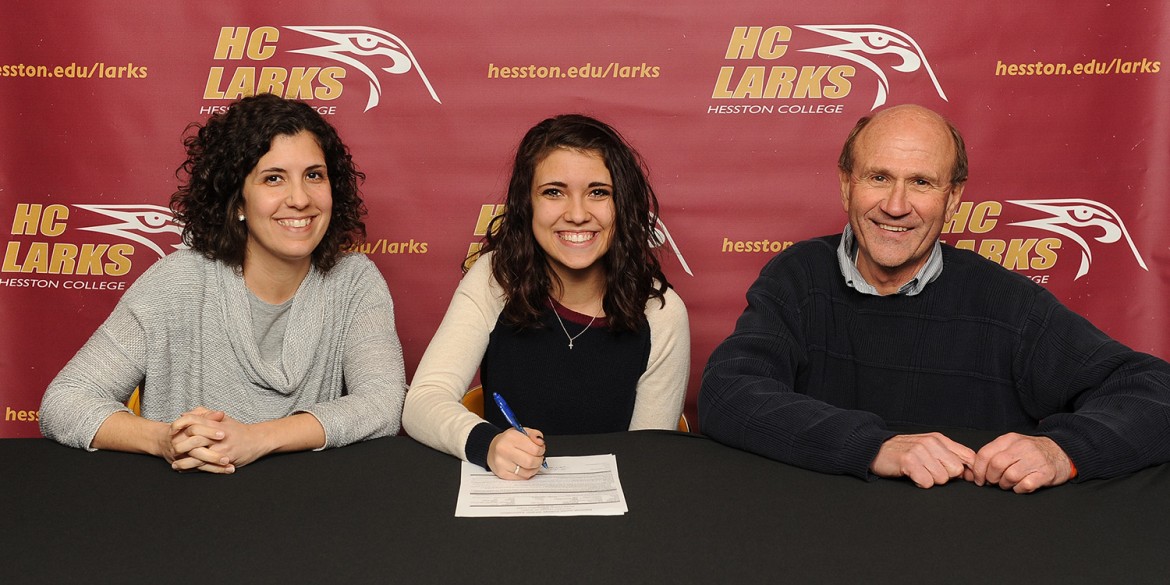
[[590, 388], [815, 372]]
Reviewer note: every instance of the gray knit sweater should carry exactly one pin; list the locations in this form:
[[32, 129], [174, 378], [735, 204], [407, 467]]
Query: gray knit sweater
[[183, 332]]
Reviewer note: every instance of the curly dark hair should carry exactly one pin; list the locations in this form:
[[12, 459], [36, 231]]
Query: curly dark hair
[[633, 272], [225, 149]]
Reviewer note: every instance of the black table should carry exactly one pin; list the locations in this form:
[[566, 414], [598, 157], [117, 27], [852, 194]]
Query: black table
[[383, 512]]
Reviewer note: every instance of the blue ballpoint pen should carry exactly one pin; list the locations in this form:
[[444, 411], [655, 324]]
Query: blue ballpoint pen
[[512, 419]]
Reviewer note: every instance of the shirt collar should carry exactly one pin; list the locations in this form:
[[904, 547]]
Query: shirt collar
[[847, 259]]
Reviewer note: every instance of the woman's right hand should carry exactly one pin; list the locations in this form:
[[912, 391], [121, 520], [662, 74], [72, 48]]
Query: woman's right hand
[[515, 456]]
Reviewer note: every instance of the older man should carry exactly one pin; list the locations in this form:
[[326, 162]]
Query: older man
[[882, 326]]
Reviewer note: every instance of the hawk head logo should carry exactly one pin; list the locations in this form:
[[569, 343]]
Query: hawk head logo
[[365, 49], [1077, 219], [661, 237], [134, 221], [864, 40]]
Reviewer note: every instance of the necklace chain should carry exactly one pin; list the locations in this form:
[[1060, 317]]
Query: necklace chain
[[571, 337]]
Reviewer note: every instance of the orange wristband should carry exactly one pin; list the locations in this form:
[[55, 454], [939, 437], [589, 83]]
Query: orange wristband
[[1072, 469]]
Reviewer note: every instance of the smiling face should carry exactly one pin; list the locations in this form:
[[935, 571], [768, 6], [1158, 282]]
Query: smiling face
[[573, 212], [899, 195], [287, 203]]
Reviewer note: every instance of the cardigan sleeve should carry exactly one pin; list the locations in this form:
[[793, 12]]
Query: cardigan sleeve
[[662, 388], [434, 415], [373, 369], [96, 382], [102, 375]]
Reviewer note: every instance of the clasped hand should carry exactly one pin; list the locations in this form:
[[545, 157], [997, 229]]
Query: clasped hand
[[210, 440], [1017, 462]]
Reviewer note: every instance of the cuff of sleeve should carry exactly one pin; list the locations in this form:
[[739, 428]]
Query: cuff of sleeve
[[1087, 454], [90, 434], [865, 449], [478, 443], [324, 428]]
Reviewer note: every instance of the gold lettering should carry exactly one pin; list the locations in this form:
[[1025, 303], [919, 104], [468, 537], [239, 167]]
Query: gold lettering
[[231, 43], [744, 40]]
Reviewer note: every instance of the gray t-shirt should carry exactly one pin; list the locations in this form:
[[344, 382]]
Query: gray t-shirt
[[268, 325]]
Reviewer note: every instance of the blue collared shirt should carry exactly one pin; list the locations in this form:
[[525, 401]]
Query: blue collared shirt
[[847, 258]]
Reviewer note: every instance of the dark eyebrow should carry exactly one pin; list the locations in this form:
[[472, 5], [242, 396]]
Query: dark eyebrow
[[269, 170], [565, 185]]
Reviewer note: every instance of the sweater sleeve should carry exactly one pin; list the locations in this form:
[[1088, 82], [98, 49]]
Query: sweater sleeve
[[662, 389], [96, 382], [749, 398], [374, 373], [102, 375], [434, 415], [1105, 405]]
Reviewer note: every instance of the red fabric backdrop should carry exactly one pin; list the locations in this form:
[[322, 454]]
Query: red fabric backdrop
[[740, 110]]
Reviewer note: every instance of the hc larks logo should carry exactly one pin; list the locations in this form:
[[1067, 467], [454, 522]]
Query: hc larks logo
[[368, 50], [880, 49], [1078, 219], [41, 244], [134, 221], [862, 40], [357, 45]]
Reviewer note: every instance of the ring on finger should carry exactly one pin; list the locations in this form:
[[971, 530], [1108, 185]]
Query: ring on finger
[[517, 470]]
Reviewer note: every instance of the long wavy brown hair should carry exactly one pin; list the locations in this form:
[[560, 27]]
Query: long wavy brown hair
[[224, 150], [632, 270]]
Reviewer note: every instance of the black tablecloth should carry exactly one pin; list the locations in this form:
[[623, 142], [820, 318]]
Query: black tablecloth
[[383, 512]]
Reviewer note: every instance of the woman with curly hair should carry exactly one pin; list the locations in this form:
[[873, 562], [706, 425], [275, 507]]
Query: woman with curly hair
[[265, 335], [566, 312]]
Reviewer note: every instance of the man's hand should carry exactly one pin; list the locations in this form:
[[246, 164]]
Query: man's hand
[[928, 460], [1020, 463]]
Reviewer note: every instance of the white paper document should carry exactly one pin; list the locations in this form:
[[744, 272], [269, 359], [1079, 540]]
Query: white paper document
[[571, 486]]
